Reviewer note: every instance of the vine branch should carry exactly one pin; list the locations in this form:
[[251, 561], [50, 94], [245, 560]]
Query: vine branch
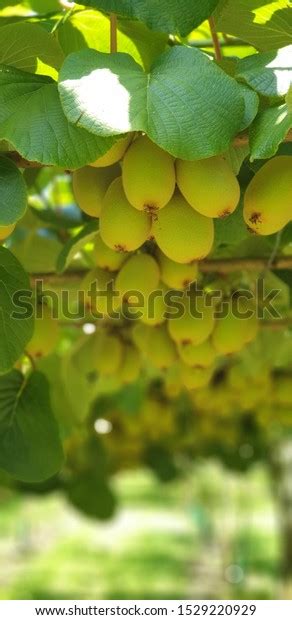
[[113, 33], [215, 39], [221, 266]]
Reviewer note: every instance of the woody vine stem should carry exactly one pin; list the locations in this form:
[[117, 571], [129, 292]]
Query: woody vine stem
[[215, 38]]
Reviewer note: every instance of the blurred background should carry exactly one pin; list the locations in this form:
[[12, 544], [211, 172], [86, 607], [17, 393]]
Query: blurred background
[[215, 534]]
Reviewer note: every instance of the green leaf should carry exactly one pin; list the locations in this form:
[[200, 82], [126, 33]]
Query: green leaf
[[37, 252], [29, 47], [14, 333], [230, 230], [51, 367], [32, 119], [65, 217], [74, 245], [288, 99], [187, 104], [90, 28], [266, 24], [171, 16], [269, 73], [13, 193], [161, 461], [92, 495], [268, 131], [45, 6], [80, 382], [103, 93], [30, 448], [251, 101], [236, 156]]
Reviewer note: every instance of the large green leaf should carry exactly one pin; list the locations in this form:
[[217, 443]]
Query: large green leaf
[[75, 245], [91, 29], [104, 93], [266, 24], [251, 106], [187, 104], [92, 495], [268, 131], [30, 447], [51, 367], [37, 252], [172, 16], [230, 231], [236, 156], [32, 119], [80, 382], [15, 333], [269, 73], [29, 47], [15, 7], [13, 193]]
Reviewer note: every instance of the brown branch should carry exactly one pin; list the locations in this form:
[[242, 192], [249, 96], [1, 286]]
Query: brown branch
[[273, 325], [276, 324], [224, 266], [113, 33], [215, 39], [243, 139]]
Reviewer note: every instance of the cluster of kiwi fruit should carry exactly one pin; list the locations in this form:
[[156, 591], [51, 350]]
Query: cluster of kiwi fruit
[[265, 394], [155, 223], [220, 414], [184, 351], [149, 195]]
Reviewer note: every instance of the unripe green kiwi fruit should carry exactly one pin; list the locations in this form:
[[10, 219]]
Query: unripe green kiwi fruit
[[181, 233], [238, 327], [148, 175], [160, 350], [122, 227], [176, 275], [201, 356], [105, 257], [268, 198], [98, 287], [114, 154], [46, 334], [155, 308], [196, 322], [131, 364], [195, 378], [209, 185], [90, 186], [108, 353], [140, 274]]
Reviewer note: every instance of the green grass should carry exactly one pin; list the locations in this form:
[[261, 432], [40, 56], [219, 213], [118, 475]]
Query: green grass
[[159, 546]]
